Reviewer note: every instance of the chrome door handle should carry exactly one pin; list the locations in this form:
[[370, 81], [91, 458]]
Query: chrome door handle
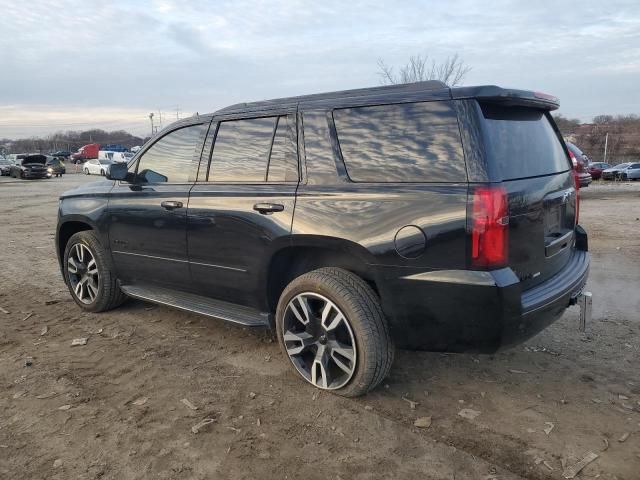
[[267, 208], [171, 204]]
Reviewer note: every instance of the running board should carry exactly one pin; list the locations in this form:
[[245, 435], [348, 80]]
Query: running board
[[198, 304]]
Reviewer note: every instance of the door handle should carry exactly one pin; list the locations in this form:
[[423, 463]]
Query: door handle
[[268, 208], [171, 204]]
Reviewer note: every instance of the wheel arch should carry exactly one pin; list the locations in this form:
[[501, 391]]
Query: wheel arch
[[66, 230], [309, 253]]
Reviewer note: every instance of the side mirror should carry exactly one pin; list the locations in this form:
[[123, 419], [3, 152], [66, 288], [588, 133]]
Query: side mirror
[[117, 171]]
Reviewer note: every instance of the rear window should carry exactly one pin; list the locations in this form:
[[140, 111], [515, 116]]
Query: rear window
[[409, 142], [522, 142]]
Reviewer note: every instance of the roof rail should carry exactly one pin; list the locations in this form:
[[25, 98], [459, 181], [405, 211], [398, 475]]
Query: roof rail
[[416, 86]]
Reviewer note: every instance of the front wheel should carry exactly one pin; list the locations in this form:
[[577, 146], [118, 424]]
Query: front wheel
[[86, 171], [89, 274], [331, 327]]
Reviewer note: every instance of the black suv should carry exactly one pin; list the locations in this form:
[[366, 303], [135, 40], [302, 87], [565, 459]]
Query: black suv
[[417, 215]]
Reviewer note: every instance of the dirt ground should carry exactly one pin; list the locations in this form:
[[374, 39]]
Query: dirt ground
[[112, 408]]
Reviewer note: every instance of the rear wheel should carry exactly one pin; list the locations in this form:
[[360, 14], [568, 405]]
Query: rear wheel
[[331, 327], [89, 274], [102, 172]]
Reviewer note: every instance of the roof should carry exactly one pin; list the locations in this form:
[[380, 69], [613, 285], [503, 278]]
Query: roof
[[410, 91]]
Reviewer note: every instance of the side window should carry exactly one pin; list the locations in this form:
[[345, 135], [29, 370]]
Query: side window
[[283, 162], [409, 142], [318, 151], [172, 158], [241, 150]]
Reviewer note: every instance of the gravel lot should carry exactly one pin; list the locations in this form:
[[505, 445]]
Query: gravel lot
[[112, 408]]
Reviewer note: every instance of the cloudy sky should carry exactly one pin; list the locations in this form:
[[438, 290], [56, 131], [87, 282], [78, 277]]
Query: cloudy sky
[[73, 64]]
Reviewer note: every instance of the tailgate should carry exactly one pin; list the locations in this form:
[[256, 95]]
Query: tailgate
[[527, 153]]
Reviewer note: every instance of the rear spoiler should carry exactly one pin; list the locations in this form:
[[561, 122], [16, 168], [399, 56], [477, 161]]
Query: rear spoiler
[[507, 96]]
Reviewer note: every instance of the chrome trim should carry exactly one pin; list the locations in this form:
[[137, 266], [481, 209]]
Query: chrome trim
[[180, 261], [219, 266], [471, 277]]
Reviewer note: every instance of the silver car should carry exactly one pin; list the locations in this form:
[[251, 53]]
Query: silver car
[[631, 172], [613, 172]]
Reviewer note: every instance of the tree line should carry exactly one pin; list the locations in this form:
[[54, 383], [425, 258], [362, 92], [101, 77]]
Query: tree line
[[70, 141], [620, 133]]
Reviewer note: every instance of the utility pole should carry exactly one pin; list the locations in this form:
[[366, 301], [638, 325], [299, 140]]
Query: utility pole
[[177, 112], [160, 117], [606, 142], [151, 119]]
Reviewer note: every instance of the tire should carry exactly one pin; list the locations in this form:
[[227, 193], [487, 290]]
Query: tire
[[362, 318], [107, 293], [102, 172], [86, 171]]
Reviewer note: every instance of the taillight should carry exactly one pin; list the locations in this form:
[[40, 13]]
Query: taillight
[[574, 161], [489, 227]]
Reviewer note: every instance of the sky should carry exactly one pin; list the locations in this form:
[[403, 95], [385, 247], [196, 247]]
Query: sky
[[77, 64]]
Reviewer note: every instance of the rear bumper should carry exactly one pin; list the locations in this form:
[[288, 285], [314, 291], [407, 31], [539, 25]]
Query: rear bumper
[[545, 303], [463, 311]]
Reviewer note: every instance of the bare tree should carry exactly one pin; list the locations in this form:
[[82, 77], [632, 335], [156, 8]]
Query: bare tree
[[452, 71]]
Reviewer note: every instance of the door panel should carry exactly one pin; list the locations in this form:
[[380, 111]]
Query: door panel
[[148, 217], [147, 240], [230, 243]]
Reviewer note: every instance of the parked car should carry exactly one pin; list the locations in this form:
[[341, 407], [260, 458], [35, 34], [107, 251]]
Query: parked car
[[55, 166], [62, 154], [596, 168], [15, 158], [86, 152], [30, 166], [612, 173], [97, 166], [135, 149], [5, 166], [632, 172], [114, 156], [415, 215], [580, 164], [114, 147]]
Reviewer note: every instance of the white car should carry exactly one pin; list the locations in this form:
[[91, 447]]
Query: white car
[[97, 166]]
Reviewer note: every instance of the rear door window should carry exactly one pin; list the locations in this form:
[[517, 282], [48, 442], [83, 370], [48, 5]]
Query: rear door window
[[522, 142], [409, 142], [255, 150]]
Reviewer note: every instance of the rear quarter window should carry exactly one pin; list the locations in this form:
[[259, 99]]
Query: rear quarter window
[[409, 142], [522, 142]]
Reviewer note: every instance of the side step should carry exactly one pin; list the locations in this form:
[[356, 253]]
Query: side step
[[199, 304]]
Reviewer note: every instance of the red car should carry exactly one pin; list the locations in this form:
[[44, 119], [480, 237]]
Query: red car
[[596, 168]]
